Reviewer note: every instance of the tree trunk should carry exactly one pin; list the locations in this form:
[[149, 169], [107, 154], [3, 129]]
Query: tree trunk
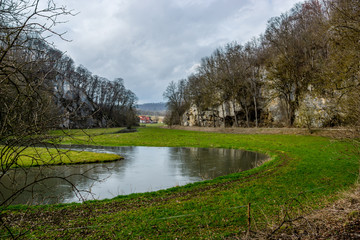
[[202, 120], [291, 114], [235, 117], [198, 116], [256, 114], [247, 116], [213, 117], [223, 113]]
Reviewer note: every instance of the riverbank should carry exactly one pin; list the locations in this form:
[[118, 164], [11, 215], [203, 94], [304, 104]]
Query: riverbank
[[34, 156], [305, 173]]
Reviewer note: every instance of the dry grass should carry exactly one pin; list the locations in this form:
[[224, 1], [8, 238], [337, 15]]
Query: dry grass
[[339, 220]]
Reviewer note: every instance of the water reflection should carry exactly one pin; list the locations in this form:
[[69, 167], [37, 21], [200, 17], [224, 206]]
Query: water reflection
[[211, 163], [143, 169]]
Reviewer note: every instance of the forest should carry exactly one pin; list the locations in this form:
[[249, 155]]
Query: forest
[[303, 71]]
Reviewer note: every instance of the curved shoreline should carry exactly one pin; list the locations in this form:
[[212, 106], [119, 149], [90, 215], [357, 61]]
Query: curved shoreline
[[307, 170]]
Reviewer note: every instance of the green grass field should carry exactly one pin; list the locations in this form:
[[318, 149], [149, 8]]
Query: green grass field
[[305, 172], [32, 157], [85, 132], [38, 156]]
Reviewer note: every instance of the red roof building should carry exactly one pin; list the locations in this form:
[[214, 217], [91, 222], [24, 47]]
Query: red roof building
[[145, 119]]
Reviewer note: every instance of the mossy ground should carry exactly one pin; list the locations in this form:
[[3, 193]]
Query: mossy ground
[[305, 172]]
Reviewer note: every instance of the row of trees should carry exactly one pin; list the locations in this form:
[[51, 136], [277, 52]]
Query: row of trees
[[104, 102], [306, 63], [40, 84]]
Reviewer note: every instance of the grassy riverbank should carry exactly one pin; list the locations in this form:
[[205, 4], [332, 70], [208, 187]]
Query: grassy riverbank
[[305, 172], [31, 157]]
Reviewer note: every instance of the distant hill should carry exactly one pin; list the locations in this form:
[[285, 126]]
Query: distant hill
[[156, 109]]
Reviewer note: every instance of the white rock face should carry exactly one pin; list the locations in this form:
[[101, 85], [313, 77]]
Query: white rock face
[[78, 110], [214, 117], [194, 117], [313, 112]]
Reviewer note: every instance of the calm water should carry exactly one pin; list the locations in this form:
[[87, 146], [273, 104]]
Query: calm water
[[143, 169]]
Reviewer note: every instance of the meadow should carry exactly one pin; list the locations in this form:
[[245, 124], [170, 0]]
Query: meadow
[[304, 173]]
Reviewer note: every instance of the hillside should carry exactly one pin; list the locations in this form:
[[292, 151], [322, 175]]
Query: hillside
[[157, 109]]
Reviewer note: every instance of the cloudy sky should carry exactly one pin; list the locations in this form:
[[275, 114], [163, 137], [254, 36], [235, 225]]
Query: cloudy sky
[[149, 43]]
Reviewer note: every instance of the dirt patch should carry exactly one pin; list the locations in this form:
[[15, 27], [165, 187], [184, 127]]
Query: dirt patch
[[340, 220]]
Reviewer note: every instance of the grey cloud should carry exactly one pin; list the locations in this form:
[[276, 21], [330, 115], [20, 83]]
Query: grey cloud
[[149, 43]]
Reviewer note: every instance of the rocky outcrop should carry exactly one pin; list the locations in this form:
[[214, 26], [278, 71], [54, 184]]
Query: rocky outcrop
[[313, 112], [77, 109], [220, 116], [318, 112]]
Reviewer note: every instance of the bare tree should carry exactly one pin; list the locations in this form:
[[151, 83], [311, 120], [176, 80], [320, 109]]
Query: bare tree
[[27, 110], [197, 94], [230, 68], [255, 53], [297, 46], [341, 72], [177, 101]]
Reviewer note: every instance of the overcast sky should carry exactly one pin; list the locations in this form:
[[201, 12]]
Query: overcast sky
[[150, 43]]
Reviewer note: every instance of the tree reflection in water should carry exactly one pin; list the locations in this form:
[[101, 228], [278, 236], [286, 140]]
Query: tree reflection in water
[[143, 169]]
